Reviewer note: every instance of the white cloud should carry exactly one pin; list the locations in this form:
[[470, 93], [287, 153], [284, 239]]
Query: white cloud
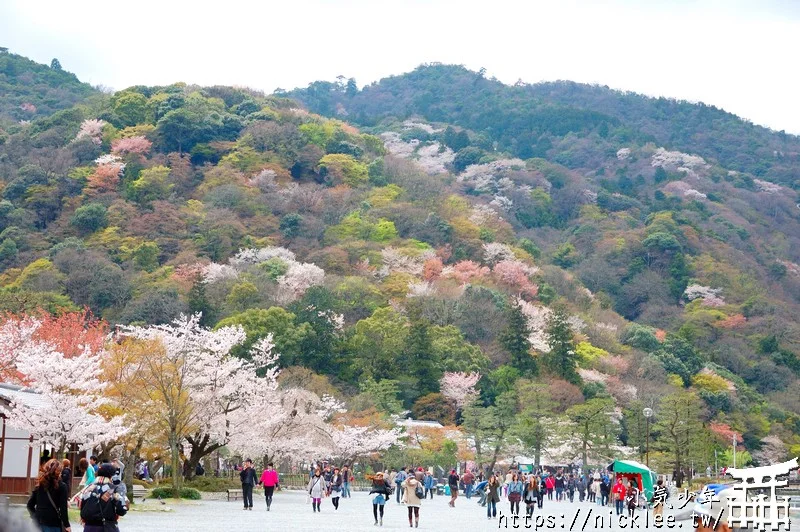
[[734, 54]]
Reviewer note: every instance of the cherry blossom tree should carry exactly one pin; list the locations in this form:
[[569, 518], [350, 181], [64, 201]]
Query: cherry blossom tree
[[515, 274], [138, 145], [459, 387], [466, 271], [91, 129], [67, 381], [349, 442]]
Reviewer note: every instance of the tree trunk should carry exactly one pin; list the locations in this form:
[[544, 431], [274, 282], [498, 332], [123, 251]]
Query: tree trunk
[[175, 457], [129, 460], [200, 449]]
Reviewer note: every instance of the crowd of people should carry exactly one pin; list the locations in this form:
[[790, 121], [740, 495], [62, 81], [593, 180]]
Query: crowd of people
[[101, 497]]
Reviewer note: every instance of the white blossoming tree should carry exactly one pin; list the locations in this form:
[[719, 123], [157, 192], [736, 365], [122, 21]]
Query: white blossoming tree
[[459, 387]]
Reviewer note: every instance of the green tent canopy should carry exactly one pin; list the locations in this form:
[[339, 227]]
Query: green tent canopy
[[630, 468]]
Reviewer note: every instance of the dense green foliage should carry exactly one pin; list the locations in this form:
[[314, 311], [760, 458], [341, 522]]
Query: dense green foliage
[[549, 244], [30, 90]]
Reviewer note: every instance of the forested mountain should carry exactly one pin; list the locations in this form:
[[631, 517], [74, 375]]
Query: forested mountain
[[533, 120], [587, 252], [30, 90]]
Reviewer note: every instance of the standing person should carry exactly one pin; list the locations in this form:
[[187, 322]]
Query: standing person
[[66, 475], [413, 489], [345, 482], [550, 483], [559, 485], [382, 490], [316, 490], [336, 487], [94, 463], [659, 498], [468, 480], [248, 477], [619, 495], [632, 498], [515, 489], [582, 488], [452, 481], [531, 494], [590, 485], [492, 496], [605, 490], [48, 501], [398, 483], [507, 481], [88, 473], [101, 504], [430, 483], [571, 486], [542, 491], [269, 479]]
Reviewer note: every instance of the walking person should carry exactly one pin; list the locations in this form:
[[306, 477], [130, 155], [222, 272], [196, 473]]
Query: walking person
[[452, 481], [571, 486], [101, 504], [515, 489], [269, 479], [248, 477], [550, 483], [492, 496], [542, 491], [48, 501], [605, 490], [430, 483], [659, 499], [582, 488], [382, 490], [413, 498], [398, 481], [316, 490], [531, 494], [468, 480], [66, 475], [632, 498], [336, 487], [346, 476], [618, 491], [559, 485]]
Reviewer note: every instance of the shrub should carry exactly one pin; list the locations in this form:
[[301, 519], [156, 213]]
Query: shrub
[[169, 493], [89, 218], [213, 484]]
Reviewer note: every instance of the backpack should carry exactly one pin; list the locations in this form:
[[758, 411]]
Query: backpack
[[92, 508]]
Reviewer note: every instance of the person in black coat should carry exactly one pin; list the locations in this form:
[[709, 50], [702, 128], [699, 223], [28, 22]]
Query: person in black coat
[[48, 501], [249, 480]]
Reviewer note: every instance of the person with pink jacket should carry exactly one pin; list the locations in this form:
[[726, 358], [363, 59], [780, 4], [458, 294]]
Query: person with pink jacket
[[269, 479]]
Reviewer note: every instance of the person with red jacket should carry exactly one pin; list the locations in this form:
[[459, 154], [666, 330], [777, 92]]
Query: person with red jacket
[[618, 491], [269, 479], [468, 478]]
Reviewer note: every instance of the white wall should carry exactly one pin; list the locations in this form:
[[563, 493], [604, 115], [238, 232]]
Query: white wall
[[15, 455]]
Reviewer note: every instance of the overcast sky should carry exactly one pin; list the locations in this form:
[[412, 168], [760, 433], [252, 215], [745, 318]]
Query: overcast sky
[[735, 54]]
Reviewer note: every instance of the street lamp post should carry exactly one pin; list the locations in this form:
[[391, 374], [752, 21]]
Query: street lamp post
[[648, 413]]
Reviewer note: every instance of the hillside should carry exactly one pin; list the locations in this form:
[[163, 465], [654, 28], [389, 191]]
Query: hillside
[[534, 120], [590, 269], [29, 90]]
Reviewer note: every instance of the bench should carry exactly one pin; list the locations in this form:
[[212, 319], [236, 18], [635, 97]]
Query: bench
[[139, 492], [235, 494]]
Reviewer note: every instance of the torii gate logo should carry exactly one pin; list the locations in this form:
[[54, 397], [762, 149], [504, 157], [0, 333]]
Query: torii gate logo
[[760, 511]]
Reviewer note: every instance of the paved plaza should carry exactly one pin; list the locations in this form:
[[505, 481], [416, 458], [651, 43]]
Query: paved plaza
[[290, 512]]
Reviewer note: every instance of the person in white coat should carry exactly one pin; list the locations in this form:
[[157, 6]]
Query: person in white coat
[[316, 489], [412, 499]]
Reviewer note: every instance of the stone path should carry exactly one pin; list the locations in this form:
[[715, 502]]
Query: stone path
[[290, 512]]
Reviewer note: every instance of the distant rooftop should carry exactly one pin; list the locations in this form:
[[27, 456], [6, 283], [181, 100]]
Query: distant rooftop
[[408, 422], [12, 393]]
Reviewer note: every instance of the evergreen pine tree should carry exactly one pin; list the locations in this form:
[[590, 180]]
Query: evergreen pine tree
[[198, 302], [418, 356], [562, 358], [514, 340]]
